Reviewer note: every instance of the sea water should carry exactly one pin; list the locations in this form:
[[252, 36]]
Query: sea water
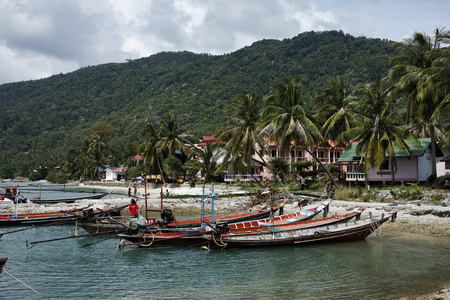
[[386, 266]]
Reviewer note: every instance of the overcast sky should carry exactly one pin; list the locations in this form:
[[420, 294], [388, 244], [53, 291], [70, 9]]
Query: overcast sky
[[39, 38]]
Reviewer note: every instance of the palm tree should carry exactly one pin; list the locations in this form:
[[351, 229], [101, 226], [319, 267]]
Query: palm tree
[[149, 147], [337, 110], [172, 137], [241, 135], [285, 119], [99, 149], [379, 133], [205, 161], [423, 75]]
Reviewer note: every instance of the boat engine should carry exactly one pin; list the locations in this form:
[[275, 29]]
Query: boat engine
[[137, 226], [222, 228], [88, 213], [166, 217]]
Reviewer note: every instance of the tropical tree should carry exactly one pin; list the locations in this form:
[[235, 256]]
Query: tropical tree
[[172, 136], [148, 147], [240, 134], [286, 120], [379, 133], [336, 110], [99, 149], [205, 160], [422, 72]]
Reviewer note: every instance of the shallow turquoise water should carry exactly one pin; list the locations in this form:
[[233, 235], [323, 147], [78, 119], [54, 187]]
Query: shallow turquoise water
[[388, 266]]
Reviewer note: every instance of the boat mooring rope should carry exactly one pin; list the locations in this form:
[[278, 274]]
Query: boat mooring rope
[[153, 239], [25, 284], [75, 231], [222, 244], [375, 228]]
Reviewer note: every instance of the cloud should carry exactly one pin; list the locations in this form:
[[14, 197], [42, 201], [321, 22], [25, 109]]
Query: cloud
[[43, 37]]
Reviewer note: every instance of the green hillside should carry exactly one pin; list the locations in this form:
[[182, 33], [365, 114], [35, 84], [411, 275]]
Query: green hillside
[[44, 119]]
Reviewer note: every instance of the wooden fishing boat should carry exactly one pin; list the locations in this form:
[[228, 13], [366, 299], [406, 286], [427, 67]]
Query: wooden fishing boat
[[268, 226], [354, 230], [259, 213], [292, 218], [97, 225], [58, 216], [67, 200], [2, 263], [190, 237]]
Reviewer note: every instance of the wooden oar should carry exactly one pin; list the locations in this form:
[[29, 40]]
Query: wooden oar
[[73, 237], [34, 227]]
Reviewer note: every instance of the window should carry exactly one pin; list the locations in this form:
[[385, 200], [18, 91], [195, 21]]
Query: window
[[447, 165], [384, 165], [274, 153]]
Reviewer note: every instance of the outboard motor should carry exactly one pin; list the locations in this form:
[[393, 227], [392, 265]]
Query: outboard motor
[[137, 226], [88, 213], [166, 217], [222, 228]]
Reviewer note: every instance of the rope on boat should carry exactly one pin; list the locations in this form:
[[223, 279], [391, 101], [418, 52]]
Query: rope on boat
[[375, 228], [222, 244], [25, 284], [153, 239], [76, 231]]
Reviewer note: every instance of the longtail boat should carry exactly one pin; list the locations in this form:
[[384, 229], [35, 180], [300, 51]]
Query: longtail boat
[[190, 237], [57, 216], [268, 226], [230, 218], [96, 225], [67, 200], [355, 230], [2, 263]]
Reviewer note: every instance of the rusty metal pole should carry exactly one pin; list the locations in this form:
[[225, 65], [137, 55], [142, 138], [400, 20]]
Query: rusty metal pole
[[161, 198], [145, 191]]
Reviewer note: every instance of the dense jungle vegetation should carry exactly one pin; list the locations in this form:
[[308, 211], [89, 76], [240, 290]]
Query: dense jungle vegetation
[[43, 120]]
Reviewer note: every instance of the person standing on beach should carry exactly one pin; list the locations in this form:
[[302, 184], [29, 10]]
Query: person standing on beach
[[129, 192], [133, 208], [326, 189]]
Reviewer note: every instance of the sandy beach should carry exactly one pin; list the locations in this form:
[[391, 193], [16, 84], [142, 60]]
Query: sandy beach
[[413, 217]]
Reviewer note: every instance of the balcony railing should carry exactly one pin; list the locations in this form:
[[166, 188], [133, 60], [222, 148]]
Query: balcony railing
[[355, 176], [232, 178]]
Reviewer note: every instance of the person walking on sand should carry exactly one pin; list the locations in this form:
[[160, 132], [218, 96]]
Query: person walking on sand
[[326, 189], [133, 208], [129, 192]]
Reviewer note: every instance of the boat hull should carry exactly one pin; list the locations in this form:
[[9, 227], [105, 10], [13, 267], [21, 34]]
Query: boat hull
[[356, 230], [51, 217], [68, 200]]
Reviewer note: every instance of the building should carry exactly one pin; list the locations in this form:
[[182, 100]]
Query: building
[[414, 168], [114, 173], [328, 153]]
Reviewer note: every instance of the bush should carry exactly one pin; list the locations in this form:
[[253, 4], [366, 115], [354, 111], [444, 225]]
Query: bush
[[55, 177], [442, 179]]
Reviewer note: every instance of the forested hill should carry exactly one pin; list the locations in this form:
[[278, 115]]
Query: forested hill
[[44, 119]]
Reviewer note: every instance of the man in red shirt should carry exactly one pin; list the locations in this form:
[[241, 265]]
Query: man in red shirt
[[133, 208]]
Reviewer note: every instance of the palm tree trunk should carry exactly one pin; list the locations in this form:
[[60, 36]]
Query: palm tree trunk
[[267, 165], [392, 171], [160, 171], [317, 159]]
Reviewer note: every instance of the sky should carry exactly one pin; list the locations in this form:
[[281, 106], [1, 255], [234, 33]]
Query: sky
[[40, 38]]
